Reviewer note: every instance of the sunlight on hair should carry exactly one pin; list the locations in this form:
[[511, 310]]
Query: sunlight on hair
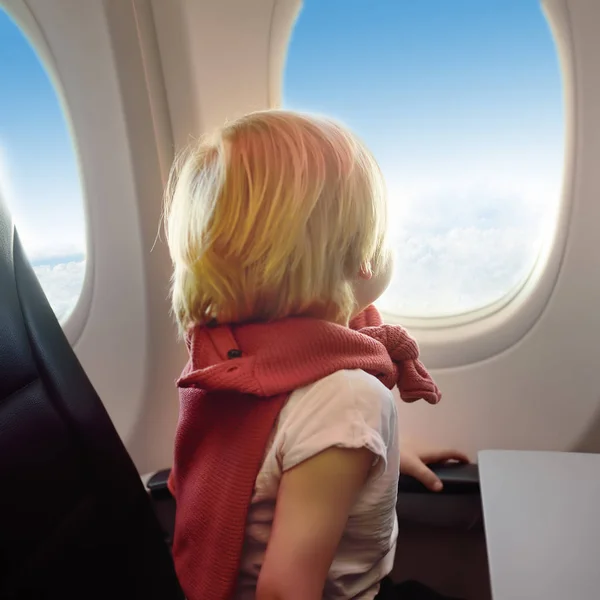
[[272, 216]]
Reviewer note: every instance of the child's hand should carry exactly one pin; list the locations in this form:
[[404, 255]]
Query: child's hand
[[415, 463]]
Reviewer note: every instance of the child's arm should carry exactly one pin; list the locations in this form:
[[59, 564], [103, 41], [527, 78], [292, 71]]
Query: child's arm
[[312, 509]]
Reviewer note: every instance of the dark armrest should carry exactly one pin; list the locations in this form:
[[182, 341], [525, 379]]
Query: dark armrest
[[163, 503], [457, 478], [157, 484], [460, 510]]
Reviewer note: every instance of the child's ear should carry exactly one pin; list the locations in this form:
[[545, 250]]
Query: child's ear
[[366, 272]]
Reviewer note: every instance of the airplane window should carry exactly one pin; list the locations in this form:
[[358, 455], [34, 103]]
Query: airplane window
[[39, 178], [461, 102]]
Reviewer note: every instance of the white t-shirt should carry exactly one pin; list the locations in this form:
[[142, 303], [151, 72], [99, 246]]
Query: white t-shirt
[[348, 409]]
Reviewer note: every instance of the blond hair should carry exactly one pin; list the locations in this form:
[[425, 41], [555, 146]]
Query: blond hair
[[273, 216]]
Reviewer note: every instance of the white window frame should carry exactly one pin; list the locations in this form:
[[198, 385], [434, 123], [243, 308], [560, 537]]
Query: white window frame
[[475, 335]]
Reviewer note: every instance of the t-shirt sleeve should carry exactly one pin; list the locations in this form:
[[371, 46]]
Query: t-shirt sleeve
[[348, 409]]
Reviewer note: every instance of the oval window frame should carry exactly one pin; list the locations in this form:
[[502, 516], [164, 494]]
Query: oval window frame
[[476, 335]]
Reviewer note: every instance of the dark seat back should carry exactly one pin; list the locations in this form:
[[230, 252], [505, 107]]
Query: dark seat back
[[75, 520]]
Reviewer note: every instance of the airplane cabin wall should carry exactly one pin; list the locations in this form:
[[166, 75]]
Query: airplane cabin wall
[[141, 79]]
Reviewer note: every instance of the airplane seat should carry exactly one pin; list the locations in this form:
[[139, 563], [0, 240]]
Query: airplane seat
[[75, 519]]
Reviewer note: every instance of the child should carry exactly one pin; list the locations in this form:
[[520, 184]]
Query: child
[[286, 454]]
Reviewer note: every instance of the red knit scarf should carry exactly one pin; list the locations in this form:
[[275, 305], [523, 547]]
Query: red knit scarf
[[235, 384]]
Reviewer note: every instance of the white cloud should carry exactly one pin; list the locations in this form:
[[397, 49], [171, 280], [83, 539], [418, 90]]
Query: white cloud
[[461, 250], [48, 251], [62, 284]]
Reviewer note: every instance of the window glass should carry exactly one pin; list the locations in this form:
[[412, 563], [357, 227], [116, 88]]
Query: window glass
[[461, 103], [39, 178]]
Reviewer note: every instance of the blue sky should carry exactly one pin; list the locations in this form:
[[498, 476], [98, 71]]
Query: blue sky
[[461, 103], [455, 85], [460, 100], [37, 153]]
